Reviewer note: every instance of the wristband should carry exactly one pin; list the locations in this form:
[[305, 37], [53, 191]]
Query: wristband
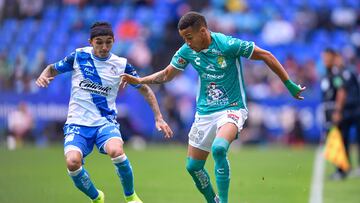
[[292, 87]]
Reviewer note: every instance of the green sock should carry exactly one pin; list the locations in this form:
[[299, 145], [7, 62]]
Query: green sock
[[201, 178], [222, 168]]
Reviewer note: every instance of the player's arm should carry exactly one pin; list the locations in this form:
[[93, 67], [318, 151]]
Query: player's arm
[[339, 105], [277, 68], [46, 76], [49, 73], [160, 77], [161, 125]]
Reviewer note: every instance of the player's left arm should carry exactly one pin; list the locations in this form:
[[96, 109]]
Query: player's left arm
[[278, 69], [161, 125]]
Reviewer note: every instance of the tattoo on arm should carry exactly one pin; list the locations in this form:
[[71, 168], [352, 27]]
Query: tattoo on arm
[[156, 78]]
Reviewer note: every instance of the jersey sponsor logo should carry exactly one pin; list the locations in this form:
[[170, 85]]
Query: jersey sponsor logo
[[216, 95], [246, 46], [210, 67], [231, 42], [181, 61], [89, 70], [95, 88], [234, 117], [197, 61], [212, 76], [216, 52], [220, 171]]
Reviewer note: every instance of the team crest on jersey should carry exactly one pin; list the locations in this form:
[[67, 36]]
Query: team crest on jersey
[[114, 70], [181, 61], [221, 61]]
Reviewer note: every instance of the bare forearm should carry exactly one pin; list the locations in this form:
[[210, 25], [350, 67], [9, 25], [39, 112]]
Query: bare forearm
[[276, 67], [149, 95], [49, 71], [156, 78]]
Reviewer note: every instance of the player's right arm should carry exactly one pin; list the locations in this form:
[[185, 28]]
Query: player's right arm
[[52, 70], [46, 76]]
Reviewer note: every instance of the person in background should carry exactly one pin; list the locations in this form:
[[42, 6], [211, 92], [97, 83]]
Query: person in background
[[20, 125]]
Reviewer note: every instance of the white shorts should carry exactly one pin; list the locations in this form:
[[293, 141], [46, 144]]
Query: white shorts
[[205, 127]]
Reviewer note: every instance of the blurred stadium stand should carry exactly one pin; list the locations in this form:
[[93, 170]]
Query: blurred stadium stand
[[34, 33]]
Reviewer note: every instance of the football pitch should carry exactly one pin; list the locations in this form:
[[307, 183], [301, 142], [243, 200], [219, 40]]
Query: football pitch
[[258, 175]]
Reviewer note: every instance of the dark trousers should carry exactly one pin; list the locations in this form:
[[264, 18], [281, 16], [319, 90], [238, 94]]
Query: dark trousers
[[345, 126]]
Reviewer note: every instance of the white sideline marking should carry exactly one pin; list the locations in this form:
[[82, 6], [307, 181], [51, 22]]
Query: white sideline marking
[[316, 195]]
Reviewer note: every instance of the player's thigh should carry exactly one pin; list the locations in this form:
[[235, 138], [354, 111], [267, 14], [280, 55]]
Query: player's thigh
[[202, 134], [197, 153], [228, 131], [109, 140], [230, 123], [79, 138]]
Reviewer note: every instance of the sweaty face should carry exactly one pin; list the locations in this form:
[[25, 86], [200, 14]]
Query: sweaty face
[[195, 39], [102, 45]]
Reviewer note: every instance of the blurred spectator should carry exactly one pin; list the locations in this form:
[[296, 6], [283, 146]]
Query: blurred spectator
[[272, 36], [20, 125], [31, 8]]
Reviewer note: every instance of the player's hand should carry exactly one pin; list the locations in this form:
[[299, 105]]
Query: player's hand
[[126, 78], [161, 125], [298, 95], [43, 81]]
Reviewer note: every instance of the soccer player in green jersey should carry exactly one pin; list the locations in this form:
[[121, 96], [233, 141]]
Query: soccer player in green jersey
[[221, 102]]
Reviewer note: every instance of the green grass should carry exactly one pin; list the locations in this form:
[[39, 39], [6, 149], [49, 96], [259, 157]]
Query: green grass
[[342, 191], [279, 175]]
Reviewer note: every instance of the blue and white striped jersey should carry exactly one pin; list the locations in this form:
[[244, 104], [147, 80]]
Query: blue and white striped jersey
[[95, 84]]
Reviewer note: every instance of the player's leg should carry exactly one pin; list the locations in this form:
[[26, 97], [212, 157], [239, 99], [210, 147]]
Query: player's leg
[[80, 176], [226, 134], [75, 149], [114, 148], [109, 141], [229, 124], [201, 135], [195, 166]]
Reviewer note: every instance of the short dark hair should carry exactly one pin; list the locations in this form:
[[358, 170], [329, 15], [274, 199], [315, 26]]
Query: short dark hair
[[101, 29], [192, 19], [330, 50]]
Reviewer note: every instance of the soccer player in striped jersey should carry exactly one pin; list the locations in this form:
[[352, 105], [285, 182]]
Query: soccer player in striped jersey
[[221, 101], [92, 112]]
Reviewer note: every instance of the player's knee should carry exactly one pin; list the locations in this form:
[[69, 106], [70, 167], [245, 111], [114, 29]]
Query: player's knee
[[114, 152], [218, 151], [73, 163], [194, 165]]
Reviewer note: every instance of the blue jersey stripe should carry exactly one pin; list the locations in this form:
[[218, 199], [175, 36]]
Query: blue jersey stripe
[[89, 72]]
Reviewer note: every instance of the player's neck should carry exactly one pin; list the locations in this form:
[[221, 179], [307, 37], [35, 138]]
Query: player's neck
[[207, 41]]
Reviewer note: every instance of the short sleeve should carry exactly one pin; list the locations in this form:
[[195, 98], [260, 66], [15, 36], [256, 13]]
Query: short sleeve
[[238, 47], [66, 64], [178, 61], [129, 69]]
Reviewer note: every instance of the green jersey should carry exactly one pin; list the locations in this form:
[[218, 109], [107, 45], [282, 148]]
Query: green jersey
[[220, 72]]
